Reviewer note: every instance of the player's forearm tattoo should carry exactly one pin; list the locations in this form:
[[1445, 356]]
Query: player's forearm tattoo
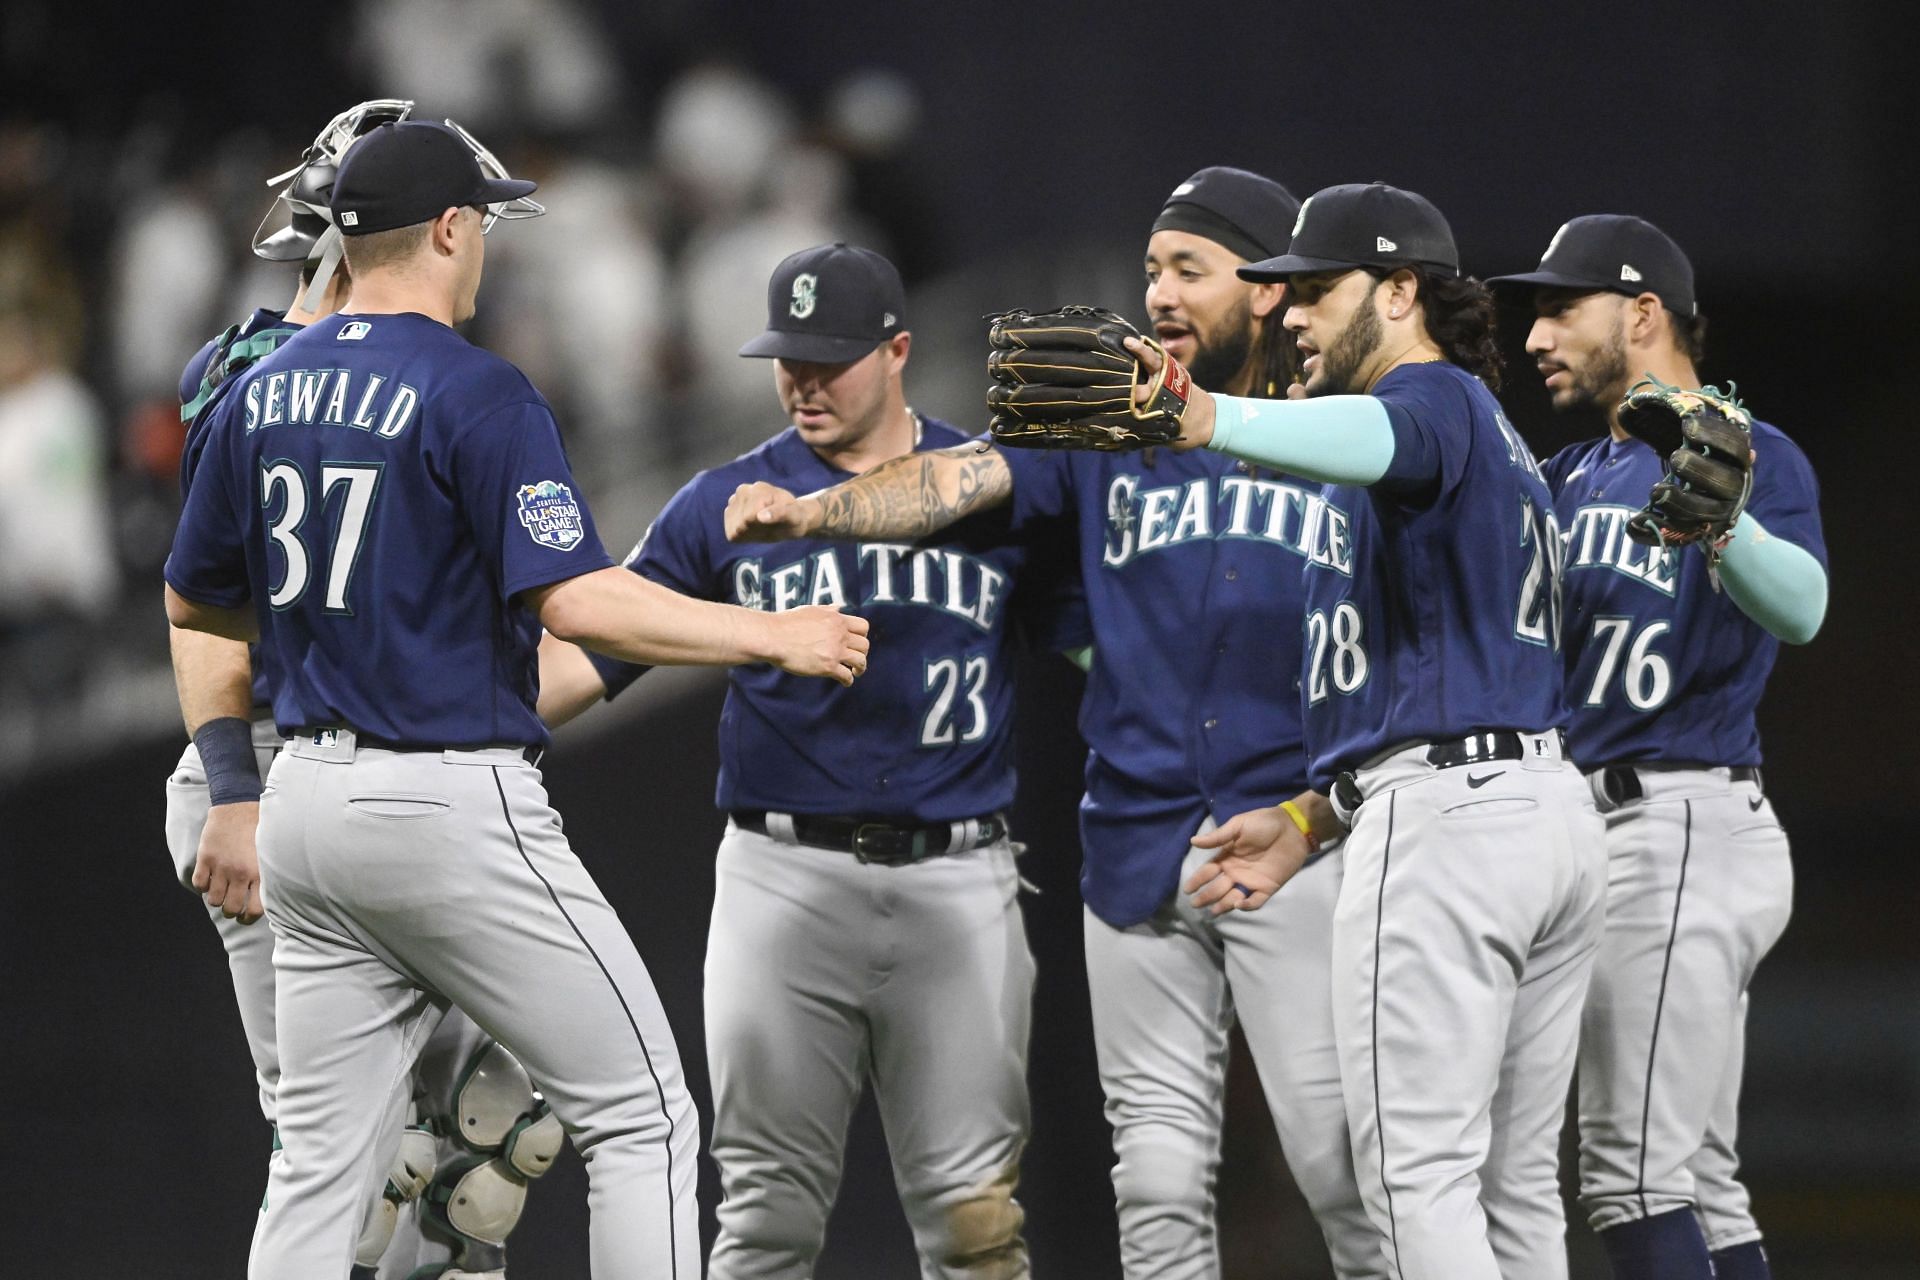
[[914, 496]]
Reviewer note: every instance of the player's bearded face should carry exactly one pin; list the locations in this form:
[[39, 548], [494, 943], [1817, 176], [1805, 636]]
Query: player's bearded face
[[833, 405], [1579, 344], [1337, 325], [1221, 345], [1202, 312]]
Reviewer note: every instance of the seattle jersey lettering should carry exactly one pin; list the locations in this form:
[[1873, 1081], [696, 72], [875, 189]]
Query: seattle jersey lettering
[[890, 573], [1277, 511], [1597, 539], [321, 397]]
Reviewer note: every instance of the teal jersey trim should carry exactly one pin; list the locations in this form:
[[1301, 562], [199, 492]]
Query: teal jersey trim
[[230, 357], [1333, 439], [1775, 582]]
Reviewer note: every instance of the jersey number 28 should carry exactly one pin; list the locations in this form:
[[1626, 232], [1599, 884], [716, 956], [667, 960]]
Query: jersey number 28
[[285, 479]]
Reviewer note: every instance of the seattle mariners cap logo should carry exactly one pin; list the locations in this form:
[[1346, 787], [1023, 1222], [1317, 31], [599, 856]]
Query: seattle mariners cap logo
[[353, 332], [1628, 274], [1301, 221], [550, 515], [1383, 245], [1555, 242], [805, 293]]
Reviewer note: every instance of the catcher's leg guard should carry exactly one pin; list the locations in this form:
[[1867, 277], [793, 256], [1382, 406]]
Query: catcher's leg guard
[[413, 1166], [507, 1136]]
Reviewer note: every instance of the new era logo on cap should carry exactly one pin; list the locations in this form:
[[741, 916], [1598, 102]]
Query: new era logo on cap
[[1628, 274], [1384, 245], [349, 219]]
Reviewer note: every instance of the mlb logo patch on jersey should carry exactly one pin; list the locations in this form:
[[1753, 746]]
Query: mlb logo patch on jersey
[[353, 332], [551, 516]]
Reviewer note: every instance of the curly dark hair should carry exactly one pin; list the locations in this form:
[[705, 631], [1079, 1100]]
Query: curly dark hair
[[1460, 318], [1690, 335], [1278, 354]]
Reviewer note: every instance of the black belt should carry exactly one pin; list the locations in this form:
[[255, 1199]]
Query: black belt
[[1620, 783], [885, 843], [528, 752], [1475, 748]]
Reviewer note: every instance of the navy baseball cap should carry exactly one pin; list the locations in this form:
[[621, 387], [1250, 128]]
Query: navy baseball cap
[[1363, 224], [831, 304], [1241, 211], [1617, 253], [413, 171]]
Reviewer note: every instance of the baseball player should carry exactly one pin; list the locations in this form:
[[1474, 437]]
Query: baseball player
[[1170, 753], [1470, 911], [389, 510], [865, 923], [212, 811], [1664, 669]]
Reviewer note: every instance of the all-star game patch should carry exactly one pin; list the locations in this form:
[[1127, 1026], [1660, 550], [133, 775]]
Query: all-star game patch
[[551, 516]]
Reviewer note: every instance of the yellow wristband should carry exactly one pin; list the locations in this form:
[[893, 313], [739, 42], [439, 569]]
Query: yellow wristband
[[1300, 820]]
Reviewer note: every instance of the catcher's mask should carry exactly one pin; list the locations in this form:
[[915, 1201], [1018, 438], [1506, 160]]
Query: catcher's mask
[[310, 233]]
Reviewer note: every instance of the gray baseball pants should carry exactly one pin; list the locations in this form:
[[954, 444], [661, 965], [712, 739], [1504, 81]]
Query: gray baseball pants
[[399, 882]]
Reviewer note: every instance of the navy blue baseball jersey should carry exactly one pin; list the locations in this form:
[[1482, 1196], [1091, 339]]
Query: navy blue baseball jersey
[[381, 490], [1430, 621], [1661, 665], [925, 734], [1191, 564], [206, 376]]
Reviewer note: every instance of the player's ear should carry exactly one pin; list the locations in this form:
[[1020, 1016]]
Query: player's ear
[[1266, 298], [443, 230], [898, 347], [1402, 289], [1645, 316]]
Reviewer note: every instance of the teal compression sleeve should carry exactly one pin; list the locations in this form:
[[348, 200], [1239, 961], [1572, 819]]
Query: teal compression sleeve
[[1334, 439], [1775, 582]]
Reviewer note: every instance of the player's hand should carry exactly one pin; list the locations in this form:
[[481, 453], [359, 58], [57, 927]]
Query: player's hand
[[1196, 424], [1259, 851], [762, 512], [227, 870], [818, 641]]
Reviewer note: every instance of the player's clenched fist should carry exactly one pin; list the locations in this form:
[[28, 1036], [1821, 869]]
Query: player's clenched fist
[[762, 512], [1259, 851], [818, 641]]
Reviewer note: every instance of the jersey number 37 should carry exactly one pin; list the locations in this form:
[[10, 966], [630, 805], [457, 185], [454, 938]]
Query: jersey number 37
[[284, 485]]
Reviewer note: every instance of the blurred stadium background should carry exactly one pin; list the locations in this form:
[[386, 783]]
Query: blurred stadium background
[[1002, 155]]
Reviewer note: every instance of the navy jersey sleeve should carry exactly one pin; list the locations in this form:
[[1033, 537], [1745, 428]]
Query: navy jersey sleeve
[[673, 553], [208, 561], [676, 550], [190, 380], [1042, 485], [1433, 417], [196, 371], [527, 518], [1786, 495]]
